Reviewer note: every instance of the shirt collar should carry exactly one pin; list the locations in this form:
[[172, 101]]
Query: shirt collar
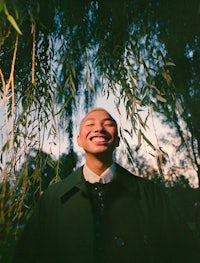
[[104, 178]]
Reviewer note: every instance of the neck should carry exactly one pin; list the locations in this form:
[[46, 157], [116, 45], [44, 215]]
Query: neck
[[98, 165]]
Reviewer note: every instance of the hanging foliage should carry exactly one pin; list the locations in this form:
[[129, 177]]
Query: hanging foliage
[[58, 55]]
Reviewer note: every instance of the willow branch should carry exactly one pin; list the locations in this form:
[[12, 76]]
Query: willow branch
[[33, 53]]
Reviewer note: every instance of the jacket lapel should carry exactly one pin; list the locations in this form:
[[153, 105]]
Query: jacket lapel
[[73, 184]]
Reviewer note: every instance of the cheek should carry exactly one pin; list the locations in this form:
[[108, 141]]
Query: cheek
[[84, 134], [82, 137]]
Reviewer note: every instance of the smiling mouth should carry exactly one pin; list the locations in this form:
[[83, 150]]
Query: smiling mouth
[[99, 139]]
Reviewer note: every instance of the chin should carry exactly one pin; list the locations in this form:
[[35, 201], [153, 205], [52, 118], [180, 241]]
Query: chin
[[103, 152]]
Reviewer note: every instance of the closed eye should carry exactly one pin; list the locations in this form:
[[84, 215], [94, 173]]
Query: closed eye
[[109, 123], [89, 123]]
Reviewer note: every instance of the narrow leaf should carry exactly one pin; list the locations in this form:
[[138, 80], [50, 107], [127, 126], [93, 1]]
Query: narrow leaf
[[11, 20], [160, 98], [170, 64], [179, 108], [5, 146], [139, 137], [148, 141]]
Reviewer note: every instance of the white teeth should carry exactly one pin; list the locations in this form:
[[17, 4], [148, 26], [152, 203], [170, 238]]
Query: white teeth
[[99, 139]]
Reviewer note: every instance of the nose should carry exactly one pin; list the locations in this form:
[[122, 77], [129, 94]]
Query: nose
[[98, 127]]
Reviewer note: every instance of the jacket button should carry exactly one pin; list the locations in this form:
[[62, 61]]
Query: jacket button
[[119, 241]]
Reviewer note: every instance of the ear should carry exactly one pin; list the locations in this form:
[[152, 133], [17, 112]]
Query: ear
[[79, 141]]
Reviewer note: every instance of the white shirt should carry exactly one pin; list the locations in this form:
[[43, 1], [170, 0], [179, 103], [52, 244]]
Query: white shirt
[[104, 178]]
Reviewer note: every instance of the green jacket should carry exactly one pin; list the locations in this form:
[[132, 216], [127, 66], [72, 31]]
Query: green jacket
[[141, 225]]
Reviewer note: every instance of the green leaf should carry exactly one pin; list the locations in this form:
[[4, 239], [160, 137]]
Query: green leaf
[[5, 146], [14, 24], [1, 5], [148, 141], [12, 20], [155, 107]]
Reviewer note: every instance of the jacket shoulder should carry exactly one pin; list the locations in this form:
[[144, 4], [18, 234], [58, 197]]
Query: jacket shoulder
[[59, 188], [138, 185]]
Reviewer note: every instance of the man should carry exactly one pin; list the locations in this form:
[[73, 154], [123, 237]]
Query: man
[[101, 213]]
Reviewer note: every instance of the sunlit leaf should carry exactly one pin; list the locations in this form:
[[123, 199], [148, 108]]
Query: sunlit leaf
[[160, 98], [170, 64], [179, 108], [166, 76], [12, 20]]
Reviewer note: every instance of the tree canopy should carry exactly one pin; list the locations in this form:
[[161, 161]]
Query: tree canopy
[[57, 56]]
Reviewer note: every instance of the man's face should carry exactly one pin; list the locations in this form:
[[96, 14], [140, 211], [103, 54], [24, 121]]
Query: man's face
[[98, 133]]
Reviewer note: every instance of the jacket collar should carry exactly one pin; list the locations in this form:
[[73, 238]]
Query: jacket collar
[[72, 184], [75, 182]]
